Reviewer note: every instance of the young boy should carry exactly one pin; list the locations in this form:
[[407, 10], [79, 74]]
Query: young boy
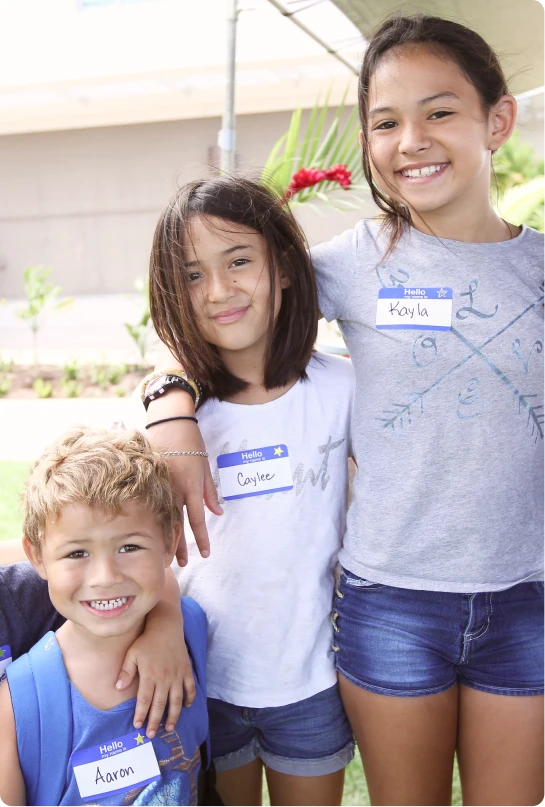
[[101, 526]]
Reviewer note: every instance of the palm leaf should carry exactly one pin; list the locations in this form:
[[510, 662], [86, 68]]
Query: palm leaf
[[314, 149], [522, 203]]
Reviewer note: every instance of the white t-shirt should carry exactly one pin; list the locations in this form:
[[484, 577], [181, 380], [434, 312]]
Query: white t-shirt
[[267, 586]]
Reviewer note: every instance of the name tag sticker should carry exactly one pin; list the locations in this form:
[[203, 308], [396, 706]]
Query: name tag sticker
[[254, 472], [421, 309], [5, 659], [116, 766]]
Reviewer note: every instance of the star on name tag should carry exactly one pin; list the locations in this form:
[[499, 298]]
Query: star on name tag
[[416, 308], [5, 660], [116, 766], [255, 472]]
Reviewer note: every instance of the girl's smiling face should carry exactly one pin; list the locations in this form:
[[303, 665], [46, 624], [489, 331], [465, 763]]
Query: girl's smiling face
[[430, 139], [228, 279]]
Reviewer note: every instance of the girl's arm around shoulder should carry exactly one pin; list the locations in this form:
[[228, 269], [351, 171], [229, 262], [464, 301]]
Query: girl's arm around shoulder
[[12, 785]]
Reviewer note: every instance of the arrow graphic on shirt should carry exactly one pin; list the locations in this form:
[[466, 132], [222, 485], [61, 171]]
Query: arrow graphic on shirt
[[535, 417]]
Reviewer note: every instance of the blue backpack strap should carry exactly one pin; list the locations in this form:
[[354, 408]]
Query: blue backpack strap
[[196, 639], [40, 694]]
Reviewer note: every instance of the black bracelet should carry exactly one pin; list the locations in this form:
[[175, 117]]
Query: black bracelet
[[162, 384], [166, 420]]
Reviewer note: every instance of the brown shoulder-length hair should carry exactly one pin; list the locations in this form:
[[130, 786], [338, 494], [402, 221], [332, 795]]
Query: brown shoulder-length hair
[[469, 51], [243, 203]]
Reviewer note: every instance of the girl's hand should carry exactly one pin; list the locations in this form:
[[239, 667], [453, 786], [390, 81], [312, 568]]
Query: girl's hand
[[161, 659], [191, 476]]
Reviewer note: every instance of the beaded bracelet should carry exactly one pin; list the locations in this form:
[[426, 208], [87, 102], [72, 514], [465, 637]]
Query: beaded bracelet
[[184, 453]]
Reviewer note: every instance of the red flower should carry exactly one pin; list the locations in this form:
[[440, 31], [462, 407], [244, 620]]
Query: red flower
[[307, 177]]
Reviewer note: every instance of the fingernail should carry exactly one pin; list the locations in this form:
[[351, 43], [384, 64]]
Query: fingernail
[[150, 734], [138, 725], [205, 553], [182, 563], [120, 685], [170, 727]]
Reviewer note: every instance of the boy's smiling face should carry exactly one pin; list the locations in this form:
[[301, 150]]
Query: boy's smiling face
[[105, 572]]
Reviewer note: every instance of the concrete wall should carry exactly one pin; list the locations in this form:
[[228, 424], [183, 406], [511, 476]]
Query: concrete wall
[[86, 201]]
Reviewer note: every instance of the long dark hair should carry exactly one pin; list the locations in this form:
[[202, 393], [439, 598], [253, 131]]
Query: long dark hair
[[464, 47], [290, 339]]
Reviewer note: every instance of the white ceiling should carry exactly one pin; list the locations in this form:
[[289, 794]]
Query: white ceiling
[[514, 28]]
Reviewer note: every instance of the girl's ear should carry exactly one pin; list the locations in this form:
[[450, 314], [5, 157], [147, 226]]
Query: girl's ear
[[285, 282], [360, 138], [35, 557], [502, 119]]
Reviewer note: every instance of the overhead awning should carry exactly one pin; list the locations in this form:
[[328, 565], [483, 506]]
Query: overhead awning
[[514, 28]]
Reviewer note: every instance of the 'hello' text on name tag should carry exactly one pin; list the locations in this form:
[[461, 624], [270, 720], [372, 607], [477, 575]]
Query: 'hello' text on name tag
[[417, 308], [254, 472], [5, 659], [116, 766]]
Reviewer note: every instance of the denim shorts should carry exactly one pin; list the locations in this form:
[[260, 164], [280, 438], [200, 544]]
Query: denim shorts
[[309, 738], [405, 642]]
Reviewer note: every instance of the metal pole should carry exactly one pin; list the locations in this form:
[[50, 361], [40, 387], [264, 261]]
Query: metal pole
[[291, 15], [226, 137]]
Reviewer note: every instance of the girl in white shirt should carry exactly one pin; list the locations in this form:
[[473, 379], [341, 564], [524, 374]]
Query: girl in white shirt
[[233, 297]]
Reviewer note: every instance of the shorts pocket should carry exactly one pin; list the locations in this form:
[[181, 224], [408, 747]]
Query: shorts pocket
[[353, 581]]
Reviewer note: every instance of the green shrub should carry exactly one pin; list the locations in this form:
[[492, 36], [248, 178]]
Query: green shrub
[[71, 387], [5, 384], [43, 389], [71, 371]]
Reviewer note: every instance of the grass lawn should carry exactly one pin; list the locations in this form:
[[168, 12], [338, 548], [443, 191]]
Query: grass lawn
[[355, 787], [12, 477]]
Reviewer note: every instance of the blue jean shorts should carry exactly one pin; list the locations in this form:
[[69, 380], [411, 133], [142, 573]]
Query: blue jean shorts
[[405, 642], [309, 738]]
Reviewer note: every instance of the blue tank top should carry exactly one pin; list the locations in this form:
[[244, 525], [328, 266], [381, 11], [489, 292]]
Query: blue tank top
[[177, 752], [98, 751]]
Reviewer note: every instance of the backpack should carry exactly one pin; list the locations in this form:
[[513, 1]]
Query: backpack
[[40, 691]]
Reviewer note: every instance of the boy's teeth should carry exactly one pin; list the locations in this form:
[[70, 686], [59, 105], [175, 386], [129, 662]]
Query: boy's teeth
[[108, 605], [421, 172]]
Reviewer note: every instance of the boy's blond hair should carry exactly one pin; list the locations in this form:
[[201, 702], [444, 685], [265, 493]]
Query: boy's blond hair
[[102, 469]]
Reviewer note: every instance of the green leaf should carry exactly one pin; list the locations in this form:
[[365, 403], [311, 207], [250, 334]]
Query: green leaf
[[284, 173], [521, 202], [272, 160]]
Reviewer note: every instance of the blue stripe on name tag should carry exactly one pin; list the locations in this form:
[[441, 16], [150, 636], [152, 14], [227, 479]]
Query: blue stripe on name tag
[[257, 493], [276, 452], [413, 327], [416, 293], [109, 748], [106, 794]]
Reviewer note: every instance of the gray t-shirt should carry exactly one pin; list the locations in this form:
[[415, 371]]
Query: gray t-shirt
[[447, 425]]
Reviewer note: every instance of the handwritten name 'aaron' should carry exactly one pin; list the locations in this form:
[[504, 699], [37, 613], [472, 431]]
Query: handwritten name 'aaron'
[[113, 776], [407, 311]]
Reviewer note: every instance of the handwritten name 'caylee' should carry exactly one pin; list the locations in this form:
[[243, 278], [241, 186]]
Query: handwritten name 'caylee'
[[253, 480]]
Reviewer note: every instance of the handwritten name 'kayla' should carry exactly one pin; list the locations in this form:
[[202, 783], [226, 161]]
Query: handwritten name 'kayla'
[[253, 480], [406, 310]]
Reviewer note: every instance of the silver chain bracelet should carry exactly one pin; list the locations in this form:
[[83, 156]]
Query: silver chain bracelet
[[184, 453]]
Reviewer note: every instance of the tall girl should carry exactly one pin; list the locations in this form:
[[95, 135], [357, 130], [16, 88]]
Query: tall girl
[[233, 294], [439, 613]]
